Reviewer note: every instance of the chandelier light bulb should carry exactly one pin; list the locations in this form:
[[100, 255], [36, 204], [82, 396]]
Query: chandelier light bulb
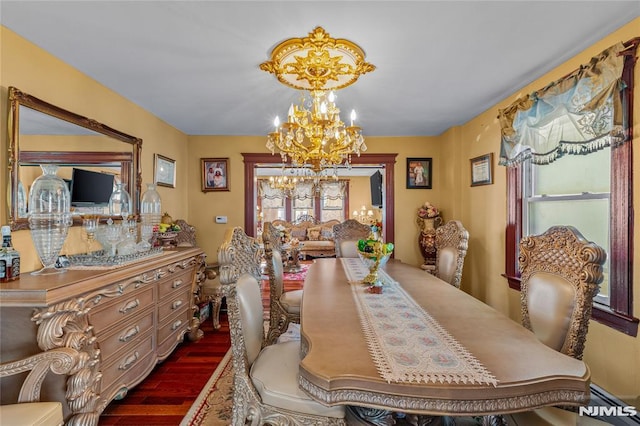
[[353, 116], [332, 97], [323, 108], [276, 123]]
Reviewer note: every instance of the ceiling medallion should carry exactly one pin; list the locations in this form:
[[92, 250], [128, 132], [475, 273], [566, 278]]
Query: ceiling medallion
[[317, 62], [314, 134]]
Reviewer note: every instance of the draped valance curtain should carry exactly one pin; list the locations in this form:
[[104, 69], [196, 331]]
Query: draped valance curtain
[[578, 114]]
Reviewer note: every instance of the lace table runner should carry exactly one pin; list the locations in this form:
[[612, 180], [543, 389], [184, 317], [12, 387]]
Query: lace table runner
[[405, 342]]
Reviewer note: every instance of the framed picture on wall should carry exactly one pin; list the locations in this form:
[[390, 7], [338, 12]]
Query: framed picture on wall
[[164, 171], [215, 174], [419, 173], [482, 170]]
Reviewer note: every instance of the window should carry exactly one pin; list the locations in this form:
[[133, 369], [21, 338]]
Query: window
[[324, 201], [591, 192]]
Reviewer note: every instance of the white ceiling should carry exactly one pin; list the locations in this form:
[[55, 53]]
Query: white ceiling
[[195, 64]]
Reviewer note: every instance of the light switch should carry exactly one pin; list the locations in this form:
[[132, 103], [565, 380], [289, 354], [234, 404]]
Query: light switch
[[221, 219]]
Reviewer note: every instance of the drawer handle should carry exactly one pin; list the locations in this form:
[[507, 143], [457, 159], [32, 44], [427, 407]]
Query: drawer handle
[[176, 284], [177, 304], [176, 324], [131, 305], [129, 361], [129, 334]]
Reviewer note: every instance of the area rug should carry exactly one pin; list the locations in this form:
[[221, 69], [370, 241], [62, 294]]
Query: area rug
[[214, 404], [292, 276], [297, 276]]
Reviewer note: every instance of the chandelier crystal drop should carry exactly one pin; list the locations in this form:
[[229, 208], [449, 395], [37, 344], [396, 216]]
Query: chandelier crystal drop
[[314, 134]]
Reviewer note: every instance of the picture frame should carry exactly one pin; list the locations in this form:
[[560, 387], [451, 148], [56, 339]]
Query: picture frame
[[482, 170], [215, 174], [164, 171], [419, 172]]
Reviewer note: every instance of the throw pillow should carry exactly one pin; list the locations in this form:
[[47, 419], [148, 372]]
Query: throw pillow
[[326, 233], [299, 232], [313, 234]]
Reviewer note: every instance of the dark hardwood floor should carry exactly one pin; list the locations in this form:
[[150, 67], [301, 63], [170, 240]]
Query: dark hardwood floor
[[166, 395]]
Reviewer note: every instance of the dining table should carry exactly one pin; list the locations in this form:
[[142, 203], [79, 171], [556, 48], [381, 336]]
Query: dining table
[[423, 347]]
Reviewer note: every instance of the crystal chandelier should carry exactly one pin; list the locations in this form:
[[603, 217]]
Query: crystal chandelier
[[283, 183], [314, 134]]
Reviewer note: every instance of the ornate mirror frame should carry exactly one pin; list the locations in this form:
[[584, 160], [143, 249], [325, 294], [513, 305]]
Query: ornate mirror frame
[[131, 173]]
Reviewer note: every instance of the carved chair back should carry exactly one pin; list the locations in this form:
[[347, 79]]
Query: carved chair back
[[346, 236], [238, 257], [279, 315], [28, 409], [273, 256], [560, 275], [187, 235], [452, 241]]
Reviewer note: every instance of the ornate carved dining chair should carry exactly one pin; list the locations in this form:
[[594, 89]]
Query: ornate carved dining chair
[[346, 236], [560, 275], [265, 376], [29, 410], [284, 306], [452, 241], [209, 289]]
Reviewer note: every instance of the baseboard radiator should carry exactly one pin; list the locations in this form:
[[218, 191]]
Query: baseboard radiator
[[611, 404]]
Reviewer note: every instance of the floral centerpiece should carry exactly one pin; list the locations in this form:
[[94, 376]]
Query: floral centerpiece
[[428, 210], [375, 253], [376, 229]]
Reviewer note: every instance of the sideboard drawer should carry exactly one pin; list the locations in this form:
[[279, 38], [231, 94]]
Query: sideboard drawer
[[125, 368], [178, 302], [120, 308], [126, 334], [174, 282], [172, 328]]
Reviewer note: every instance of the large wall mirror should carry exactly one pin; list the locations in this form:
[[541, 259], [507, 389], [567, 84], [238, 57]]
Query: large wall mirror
[[42, 133]]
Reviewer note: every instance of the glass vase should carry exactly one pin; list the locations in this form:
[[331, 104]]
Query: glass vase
[[150, 215], [49, 217], [120, 202]]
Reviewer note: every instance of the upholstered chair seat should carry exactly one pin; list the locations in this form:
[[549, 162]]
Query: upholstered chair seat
[[266, 378], [291, 301], [346, 236], [32, 414], [275, 376], [452, 241]]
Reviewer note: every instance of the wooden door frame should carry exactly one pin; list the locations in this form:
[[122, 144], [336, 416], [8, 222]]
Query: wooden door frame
[[387, 161]]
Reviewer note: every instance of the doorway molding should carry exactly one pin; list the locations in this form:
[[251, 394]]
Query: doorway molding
[[387, 161]]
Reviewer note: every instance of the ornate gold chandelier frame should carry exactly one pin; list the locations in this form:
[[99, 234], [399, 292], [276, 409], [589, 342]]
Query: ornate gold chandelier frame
[[314, 134]]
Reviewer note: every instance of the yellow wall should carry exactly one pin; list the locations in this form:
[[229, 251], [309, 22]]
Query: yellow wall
[[36, 72], [203, 207], [481, 209]]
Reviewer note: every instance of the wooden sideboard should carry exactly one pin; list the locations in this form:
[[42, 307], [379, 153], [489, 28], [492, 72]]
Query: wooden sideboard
[[122, 321]]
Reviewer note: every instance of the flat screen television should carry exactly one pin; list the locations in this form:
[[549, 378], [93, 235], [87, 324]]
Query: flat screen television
[[376, 189], [90, 188]]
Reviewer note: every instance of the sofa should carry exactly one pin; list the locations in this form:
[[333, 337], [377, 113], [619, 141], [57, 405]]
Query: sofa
[[316, 238]]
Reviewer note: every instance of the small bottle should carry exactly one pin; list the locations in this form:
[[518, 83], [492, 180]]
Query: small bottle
[[10, 255]]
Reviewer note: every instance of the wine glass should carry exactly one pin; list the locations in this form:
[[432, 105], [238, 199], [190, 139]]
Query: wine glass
[[90, 227]]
